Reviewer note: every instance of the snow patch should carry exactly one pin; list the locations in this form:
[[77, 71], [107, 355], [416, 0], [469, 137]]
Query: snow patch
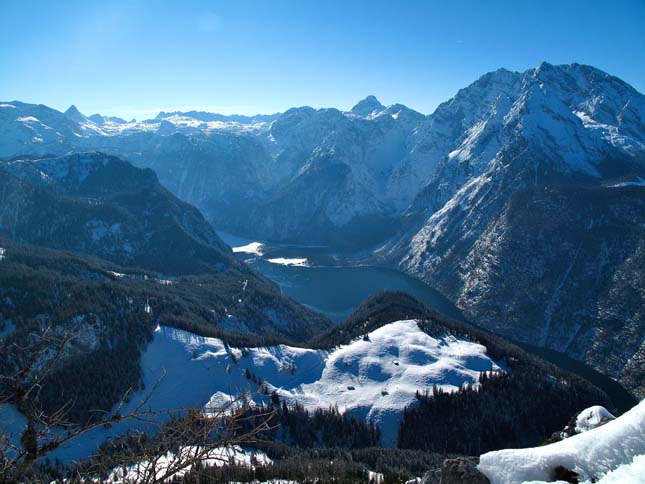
[[28, 119], [592, 417], [632, 473], [167, 463], [591, 454], [296, 261], [255, 248], [373, 378], [634, 183]]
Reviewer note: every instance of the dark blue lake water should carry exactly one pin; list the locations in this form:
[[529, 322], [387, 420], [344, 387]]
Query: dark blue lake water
[[325, 284]]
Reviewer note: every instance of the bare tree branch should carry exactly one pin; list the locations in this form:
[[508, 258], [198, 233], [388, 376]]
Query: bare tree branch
[[183, 437]]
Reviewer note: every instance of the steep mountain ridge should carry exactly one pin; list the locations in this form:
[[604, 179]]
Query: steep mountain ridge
[[97, 204], [527, 207], [338, 173]]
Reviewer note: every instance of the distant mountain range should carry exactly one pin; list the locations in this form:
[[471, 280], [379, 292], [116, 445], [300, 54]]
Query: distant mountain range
[[521, 198]]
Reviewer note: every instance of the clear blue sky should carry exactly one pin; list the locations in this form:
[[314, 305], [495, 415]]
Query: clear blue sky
[[134, 58]]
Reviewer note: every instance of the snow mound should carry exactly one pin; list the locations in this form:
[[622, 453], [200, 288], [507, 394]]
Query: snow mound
[[592, 454], [374, 377], [284, 261], [592, 417], [255, 248]]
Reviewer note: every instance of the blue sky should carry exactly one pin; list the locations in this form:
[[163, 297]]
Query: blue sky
[[134, 58]]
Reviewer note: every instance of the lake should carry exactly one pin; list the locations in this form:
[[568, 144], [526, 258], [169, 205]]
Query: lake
[[322, 280]]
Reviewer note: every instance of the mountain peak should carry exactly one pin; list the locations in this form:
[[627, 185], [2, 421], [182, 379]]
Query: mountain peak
[[97, 118], [367, 106], [544, 65], [72, 110], [75, 115]]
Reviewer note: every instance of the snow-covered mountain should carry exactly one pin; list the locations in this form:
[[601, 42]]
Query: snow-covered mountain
[[520, 198], [338, 174], [35, 129], [306, 175], [373, 378], [525, 223], [327, 176]]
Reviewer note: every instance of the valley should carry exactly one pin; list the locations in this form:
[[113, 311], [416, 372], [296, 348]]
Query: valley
[[331, 285], [402, 288]]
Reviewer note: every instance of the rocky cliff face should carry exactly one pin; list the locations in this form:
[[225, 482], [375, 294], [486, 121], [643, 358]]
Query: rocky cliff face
[[533, 221]]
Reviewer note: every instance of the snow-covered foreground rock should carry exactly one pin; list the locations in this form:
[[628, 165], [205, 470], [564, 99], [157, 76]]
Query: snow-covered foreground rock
[[593, 417], [612, 450], [632, 473]]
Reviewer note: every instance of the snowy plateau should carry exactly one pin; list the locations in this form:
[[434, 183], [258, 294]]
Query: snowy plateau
[[373, 377]]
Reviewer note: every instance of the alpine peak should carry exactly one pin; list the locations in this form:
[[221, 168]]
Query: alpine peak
[[367, 106]]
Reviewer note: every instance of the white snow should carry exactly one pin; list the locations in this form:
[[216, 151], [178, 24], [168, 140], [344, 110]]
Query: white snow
[[635, 183], [632, 473], [384, 372], [591, 454], [592, 417], [375, 477], [255, 248], [295, 261], [169, 463], [28, 119], [398, 360]]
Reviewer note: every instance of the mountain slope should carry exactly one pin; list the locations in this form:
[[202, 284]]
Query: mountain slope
[[528, 223], [372, 366], [338, 175], [97, 204], [112, 310], [448, 189], [34, 129], [253, 175]]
